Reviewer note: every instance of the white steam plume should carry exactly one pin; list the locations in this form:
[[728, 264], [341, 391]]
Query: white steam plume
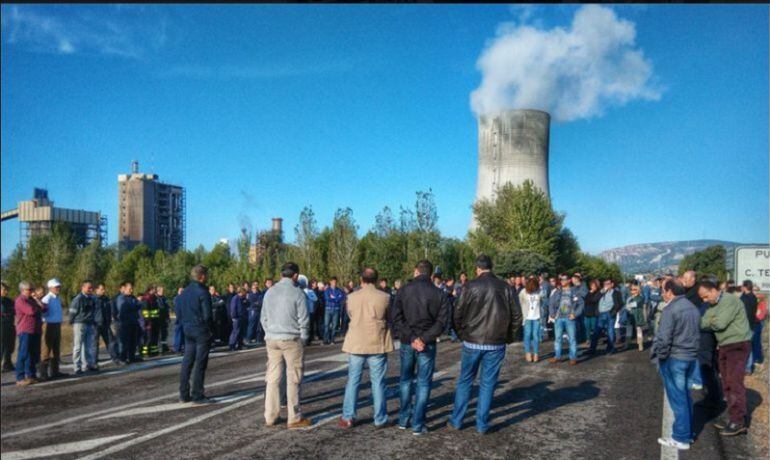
[[572, 73]]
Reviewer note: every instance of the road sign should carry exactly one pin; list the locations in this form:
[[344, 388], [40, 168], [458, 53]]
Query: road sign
[[753, 263]]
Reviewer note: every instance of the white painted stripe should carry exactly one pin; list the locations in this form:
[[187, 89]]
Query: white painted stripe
[[62, 449], [192, 421], [667, 452], [174, 406]]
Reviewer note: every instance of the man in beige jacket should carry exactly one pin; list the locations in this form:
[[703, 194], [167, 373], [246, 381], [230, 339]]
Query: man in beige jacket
[[368, 341]]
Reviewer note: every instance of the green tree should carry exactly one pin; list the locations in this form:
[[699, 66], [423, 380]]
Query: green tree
[[519, 218], [592, 267], [307, 251], [710, 261], [343, 244]]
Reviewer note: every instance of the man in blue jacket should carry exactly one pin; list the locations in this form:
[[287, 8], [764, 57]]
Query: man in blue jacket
[[238, 314], [334, 298], [194, 308], [127, 314]]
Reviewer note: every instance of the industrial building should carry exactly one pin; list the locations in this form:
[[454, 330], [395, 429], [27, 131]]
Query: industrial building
[[39, 215], [257, 249], [513, 148], [150, 212]]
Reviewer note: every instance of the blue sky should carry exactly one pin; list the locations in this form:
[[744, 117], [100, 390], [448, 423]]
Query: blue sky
[[259, 110]]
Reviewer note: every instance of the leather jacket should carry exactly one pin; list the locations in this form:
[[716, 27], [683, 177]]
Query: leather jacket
[[487, 312], [420, 310]]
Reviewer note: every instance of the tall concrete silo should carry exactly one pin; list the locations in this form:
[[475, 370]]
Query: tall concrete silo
[[513, 147]]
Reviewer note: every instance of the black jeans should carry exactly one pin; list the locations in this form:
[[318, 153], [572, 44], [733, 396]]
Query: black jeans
[[105, 333], [8, 338], [196, 351], [128, 335]]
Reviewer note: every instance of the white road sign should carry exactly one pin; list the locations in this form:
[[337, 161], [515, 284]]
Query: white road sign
[[753, 263]]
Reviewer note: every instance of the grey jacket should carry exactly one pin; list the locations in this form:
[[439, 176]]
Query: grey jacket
[[678, 333], [284, 312]]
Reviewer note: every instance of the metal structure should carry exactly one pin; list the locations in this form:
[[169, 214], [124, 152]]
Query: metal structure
[[150, 212], [38, 216], [513, 148]]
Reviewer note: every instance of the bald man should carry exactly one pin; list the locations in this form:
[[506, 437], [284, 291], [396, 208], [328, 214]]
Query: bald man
[[689, 281]]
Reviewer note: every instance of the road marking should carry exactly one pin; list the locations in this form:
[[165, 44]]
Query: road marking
[[666, 452], [132, 442], [143, 366], [62, 449], [175, 406]]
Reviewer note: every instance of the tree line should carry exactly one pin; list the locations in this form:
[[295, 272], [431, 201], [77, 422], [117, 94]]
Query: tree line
[[519, 229]]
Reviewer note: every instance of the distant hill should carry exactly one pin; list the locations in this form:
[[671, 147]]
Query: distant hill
[[659, 257]]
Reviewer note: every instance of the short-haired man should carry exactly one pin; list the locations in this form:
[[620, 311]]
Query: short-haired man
[[50, 358], [610, 304], [675, 348], [7, 332], [193, 305], [565, 307], [254, 333], [419, 316], [487, 317], [104, 323], [29, 326], [239, 316], [82, 315], [127, 311], [334, 298], [286, 324], [367, 342], [751, 303], [727, 318]]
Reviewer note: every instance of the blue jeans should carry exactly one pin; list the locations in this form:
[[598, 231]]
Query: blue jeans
[[531, 335], [331, 320], [695, 376], [28, 356], [559, 325], [676, 379], [378, 367], [422, 365], [606, 322], [196, 352], [490, 362], [590, 324], [254, 328], [178, 337], [544, 322], [755, 353]]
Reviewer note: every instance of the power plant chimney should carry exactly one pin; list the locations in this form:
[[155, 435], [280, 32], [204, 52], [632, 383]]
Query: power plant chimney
[[513, 147], [277, 225]]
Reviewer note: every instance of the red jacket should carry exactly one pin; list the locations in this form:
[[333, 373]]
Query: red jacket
[[28, 316]]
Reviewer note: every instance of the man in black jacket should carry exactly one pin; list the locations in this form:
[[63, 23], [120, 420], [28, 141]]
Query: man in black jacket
[[193, 309], [487, 317], [419, 315]]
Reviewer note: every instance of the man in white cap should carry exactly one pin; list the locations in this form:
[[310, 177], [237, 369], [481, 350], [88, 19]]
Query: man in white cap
[[52, 318]]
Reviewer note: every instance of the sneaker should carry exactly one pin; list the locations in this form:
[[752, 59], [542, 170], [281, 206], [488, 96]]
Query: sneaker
[[734, 429], [301, 423], [670, 442], [185, 400], [451, 427], [420, 433], [202, 400], [79, 372], [402, 427]]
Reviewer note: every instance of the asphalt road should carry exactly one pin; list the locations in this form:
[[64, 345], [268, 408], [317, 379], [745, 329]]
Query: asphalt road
[[607, 406]]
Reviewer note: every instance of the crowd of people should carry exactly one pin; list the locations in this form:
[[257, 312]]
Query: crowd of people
[[129, 327], [705, 335]]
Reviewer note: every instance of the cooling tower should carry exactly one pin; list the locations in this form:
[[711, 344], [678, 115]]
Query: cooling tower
[[513, 147]]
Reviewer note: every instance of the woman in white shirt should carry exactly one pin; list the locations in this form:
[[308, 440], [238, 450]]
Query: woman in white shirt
[[530, 300]]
